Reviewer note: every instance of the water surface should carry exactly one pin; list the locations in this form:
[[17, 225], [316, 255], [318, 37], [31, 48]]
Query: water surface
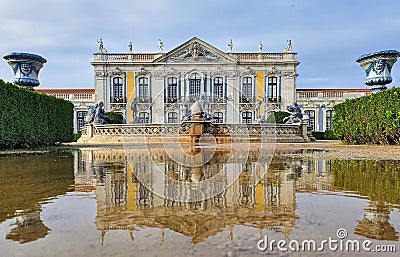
[[109, 202]]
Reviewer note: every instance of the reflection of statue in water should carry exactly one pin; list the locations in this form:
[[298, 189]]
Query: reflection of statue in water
[[295, 114], [98, 115], [187, 112], [257, 108], [199, 109], [29, 227], [375, 224], [134, 108]]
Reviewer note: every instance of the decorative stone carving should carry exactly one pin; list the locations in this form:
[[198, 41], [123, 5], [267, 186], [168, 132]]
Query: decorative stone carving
[[274, 72], [290, 74], [101, 74], [117, 72], [248, 71], [142, 72], [195, 51]]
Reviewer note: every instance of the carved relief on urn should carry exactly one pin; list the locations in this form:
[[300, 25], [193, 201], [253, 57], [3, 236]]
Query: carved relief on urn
[[378, 67]]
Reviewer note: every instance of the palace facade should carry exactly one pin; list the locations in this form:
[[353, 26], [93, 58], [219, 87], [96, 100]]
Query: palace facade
[[159, 87]]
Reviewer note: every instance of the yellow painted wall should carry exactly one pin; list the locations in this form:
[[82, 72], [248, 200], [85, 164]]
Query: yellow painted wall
[[260, 87], [260, 187], [131, 205], [130, 93]]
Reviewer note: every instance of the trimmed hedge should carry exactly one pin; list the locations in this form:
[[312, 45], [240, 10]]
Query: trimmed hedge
[[29, 119], [326, 135], [115, 117], [277, 117], [373, 119]]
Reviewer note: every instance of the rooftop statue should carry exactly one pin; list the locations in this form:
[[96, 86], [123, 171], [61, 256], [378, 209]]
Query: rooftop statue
[[296, 117], [230, 45], [160, 45], [101, 46]]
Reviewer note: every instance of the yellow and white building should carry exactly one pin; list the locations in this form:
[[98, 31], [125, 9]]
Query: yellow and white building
[[156, 87]]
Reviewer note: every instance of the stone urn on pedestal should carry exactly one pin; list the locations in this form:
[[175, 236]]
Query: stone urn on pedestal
[[26, 68], [378, 67]]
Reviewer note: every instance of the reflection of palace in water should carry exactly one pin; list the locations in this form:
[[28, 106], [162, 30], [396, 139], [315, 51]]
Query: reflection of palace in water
[[126, 197]]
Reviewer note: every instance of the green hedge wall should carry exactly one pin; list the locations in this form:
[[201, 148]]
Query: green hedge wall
[[373, 119], [29, 119], [277, 117]]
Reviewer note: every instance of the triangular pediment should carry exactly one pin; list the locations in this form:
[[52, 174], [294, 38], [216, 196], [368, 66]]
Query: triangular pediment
[[194, 51]]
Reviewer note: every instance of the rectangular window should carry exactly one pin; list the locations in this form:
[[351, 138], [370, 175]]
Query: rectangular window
[[195, 85], [247, 117], [218, 87], [247, 87], [80, 120], [172, 117], [329, 115], [311, 115], [143, 88], [273, 93], [218, 117], [143, 117]]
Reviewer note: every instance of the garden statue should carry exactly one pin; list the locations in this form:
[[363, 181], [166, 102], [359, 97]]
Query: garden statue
[[296, 117], [97, 115]]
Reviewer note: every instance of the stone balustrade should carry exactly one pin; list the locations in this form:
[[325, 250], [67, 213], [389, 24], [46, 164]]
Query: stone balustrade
[[123, 133]]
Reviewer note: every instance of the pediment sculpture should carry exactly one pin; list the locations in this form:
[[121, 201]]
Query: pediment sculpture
[[195, 50]]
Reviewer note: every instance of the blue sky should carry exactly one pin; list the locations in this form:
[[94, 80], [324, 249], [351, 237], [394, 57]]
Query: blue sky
[[328, 35]]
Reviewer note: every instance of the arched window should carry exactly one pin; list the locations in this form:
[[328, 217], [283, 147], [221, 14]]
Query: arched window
[[172, 90], [172, 117], [118, 90], [195, 85], [143, 87], [218, 87], [247, 90], [143, 117], [247, 117]]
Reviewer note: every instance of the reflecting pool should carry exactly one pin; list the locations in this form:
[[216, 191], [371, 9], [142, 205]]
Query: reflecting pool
[[150, 202]]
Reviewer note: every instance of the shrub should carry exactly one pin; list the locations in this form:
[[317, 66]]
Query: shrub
[[373, 119], [277, 117], [76, 137], [327, 135], [115, 117], [29, 119]]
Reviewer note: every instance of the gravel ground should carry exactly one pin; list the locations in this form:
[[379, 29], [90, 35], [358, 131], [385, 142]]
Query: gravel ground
[[336, 149]]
